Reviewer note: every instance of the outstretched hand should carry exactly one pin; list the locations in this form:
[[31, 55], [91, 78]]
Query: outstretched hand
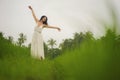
[[59, 29], [30, 7]]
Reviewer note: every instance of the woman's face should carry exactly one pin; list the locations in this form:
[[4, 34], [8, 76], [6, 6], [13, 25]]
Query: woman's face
[[44, 19]]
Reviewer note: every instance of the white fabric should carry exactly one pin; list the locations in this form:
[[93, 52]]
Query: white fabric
[[37, 46]]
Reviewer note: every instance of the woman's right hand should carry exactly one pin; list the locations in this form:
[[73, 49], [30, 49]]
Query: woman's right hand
[[30, 7]]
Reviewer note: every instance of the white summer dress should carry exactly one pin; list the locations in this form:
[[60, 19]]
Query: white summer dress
[[37, 46]]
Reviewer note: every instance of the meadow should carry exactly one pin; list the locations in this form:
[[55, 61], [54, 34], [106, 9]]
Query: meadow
[[93, 59]]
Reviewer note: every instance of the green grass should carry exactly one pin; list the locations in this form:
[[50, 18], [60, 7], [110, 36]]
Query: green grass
[[92, 60]]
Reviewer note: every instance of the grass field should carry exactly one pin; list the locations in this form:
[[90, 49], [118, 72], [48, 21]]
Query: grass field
[[92, 60]]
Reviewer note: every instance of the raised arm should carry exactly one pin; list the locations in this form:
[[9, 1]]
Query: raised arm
[[53, 27], [34, 16]]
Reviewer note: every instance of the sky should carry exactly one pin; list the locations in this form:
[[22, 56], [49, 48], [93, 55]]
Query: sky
[[70, 15]]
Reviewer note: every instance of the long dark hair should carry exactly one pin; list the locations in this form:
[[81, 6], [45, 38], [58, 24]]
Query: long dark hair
[[46, 23]]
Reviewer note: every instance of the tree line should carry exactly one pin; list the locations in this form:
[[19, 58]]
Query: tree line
[[66, 45], [50, 51]]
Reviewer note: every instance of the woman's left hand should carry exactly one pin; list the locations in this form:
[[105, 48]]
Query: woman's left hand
[[59, 29]]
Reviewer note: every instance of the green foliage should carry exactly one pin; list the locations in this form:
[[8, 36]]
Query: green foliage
[[53, 53], [8, 49], [90, 60], [21, 39], [70, 44], [51, 43]]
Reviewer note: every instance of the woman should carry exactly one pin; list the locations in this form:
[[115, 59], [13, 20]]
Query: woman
[[37, 46]]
